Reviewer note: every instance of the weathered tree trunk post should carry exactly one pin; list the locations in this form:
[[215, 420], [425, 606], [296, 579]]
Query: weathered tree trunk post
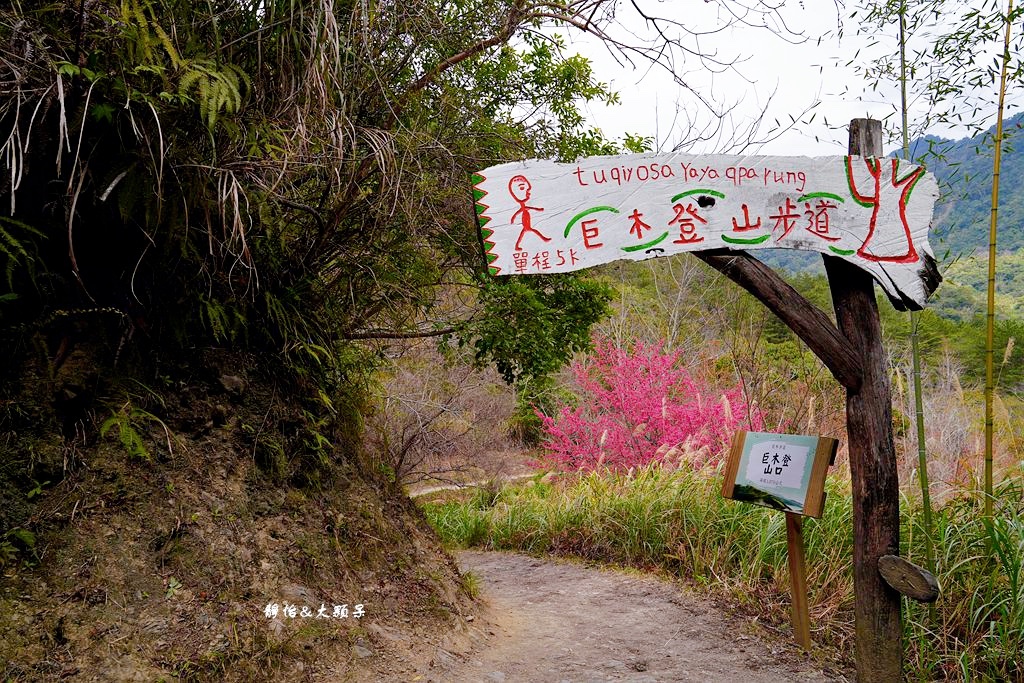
[[879, 646]]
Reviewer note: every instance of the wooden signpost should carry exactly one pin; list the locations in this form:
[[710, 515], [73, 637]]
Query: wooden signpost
[[785, 472], [868, 215]]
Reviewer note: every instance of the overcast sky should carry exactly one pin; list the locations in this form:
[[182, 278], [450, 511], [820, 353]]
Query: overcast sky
[[808, 74]]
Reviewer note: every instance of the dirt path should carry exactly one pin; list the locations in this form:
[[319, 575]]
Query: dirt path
[[416, 492], [556, 622]]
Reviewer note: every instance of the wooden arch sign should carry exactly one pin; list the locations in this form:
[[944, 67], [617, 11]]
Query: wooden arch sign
[[868, 215]]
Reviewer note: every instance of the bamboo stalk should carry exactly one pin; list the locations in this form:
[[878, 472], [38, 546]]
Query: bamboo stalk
[[990, 315], [915, 354]]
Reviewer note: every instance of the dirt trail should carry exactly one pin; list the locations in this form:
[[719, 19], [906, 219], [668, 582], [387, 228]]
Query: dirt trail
[[557, 622], [427, 490]]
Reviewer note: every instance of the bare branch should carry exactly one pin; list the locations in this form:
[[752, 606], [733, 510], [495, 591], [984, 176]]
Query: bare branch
[[810, 323]]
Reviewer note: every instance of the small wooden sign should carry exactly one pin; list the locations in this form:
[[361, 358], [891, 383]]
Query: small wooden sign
[[781, 471], [785, 472], [905, 577]]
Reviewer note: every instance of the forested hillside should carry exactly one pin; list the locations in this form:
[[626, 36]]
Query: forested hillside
[[964, 170], [962, 216]]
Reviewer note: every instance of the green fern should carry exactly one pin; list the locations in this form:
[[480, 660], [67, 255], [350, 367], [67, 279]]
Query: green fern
[[17, 542], [217, 88], [139, 39], [224, 323], [130, 438], [8, 553], [214, 318], [14, 251], [129, 420]]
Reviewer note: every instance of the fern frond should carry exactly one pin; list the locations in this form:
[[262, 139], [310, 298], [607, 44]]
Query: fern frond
[[204, 100], [13, 250], [165, 42], [130, 439], [217, 89], [189, 79]]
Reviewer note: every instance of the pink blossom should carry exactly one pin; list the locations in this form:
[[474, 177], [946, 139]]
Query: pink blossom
[[639, 406]]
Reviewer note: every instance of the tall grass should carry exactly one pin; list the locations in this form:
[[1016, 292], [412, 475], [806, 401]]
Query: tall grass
[[678, 522]]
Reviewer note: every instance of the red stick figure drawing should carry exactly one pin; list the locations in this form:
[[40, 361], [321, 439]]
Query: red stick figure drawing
[[519, 187], [888, 198]]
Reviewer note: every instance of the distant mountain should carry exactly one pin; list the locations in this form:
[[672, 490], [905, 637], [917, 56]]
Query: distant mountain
[[964, 170]]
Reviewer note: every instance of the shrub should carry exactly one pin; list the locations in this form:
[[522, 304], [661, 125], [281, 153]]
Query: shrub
[[638, 406]]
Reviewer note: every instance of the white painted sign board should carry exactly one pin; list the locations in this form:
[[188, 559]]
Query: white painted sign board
[[782, 471], [545, 217], [778, 465]]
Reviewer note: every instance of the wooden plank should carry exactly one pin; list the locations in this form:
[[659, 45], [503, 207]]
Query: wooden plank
[[908, 579], [733, 464], [874, 480], [808, 321], [814, 504], [798, 580], [542, 216]]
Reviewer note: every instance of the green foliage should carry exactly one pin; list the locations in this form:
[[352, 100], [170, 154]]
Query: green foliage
[[964, 339], [532, 326], [471, 584], [529, 328], [17, 253], [952, 323], [224, 322], [964, 170], [525, 425], [173, 586], [16, 545], [977, 631], [652, 517], [216, 89], [129, 437], [131, 423], [281, 178], [951, 56], [552, 83], [962, 293]]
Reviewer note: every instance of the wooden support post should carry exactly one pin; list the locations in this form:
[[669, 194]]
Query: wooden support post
[[798, 580], [875, 484]]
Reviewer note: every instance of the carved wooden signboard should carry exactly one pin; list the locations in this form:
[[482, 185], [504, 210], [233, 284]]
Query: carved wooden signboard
[[546, 217]]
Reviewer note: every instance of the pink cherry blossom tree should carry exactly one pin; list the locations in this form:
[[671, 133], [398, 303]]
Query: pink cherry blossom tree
[[639, 405]]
